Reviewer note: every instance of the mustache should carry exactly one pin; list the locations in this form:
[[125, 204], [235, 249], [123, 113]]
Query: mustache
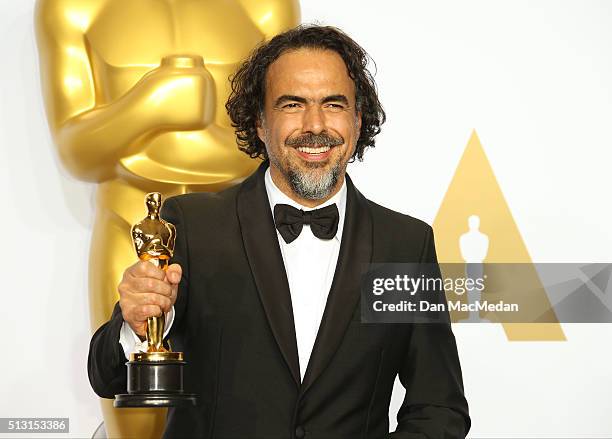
[[311, 139]]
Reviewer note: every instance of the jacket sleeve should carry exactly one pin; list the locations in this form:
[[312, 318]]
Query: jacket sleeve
[[106, 364], [434, 405]]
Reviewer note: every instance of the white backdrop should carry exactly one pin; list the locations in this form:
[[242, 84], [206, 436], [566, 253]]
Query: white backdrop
[[533, 78]]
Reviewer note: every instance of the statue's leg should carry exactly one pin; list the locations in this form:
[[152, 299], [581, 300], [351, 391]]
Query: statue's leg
[[118, 207]]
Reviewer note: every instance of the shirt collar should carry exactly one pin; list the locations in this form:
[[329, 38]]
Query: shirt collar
[[276, 196]]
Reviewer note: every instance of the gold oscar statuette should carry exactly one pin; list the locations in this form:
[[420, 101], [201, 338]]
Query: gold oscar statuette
[[155, 377]]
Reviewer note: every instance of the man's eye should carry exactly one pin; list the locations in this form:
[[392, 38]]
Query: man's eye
[[291, 105], [335, 106]]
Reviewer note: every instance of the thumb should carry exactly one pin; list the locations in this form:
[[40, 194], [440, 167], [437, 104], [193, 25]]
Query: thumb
[[174, 273]]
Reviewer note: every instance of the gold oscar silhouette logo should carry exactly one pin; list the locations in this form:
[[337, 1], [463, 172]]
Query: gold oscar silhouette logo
[[475, 225]]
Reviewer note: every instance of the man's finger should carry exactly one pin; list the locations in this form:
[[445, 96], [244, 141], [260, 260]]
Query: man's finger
[[147, 311], [146, 269], [174, 293], [163, 302], [174, 273], [150, 285]]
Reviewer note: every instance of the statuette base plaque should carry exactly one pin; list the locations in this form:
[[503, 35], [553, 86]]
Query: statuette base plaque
[[155, 379]]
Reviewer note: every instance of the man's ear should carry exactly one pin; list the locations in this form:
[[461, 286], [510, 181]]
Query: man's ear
[[260, 131], [358, 122]]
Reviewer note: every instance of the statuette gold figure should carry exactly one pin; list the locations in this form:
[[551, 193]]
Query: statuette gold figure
[[154, 242]]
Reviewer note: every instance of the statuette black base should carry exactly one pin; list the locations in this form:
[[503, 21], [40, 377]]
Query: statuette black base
[[155, 384], [155, 400]]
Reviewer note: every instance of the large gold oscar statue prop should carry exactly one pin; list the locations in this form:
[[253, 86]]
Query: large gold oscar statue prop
[[134, 93]]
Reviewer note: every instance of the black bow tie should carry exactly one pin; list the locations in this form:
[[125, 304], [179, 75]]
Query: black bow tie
[[289, 221]]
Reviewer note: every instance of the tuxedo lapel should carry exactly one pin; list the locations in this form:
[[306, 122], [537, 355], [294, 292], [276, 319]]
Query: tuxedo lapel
[[264, 256], [355, 250]]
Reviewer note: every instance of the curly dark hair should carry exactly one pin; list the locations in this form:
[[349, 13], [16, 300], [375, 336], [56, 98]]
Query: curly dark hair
[[246, 101]]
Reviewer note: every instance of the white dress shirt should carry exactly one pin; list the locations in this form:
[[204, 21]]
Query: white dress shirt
[[310, 264]]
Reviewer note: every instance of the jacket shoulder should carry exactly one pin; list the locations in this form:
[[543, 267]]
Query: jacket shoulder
[[392, 220], [204, 201], [398, 237]]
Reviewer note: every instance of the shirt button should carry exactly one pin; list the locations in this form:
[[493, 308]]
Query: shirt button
[[300, 432]]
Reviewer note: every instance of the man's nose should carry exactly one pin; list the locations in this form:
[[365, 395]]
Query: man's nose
[[314, 120]]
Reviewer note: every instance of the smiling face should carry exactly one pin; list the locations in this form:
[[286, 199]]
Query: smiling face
[[310, 123]]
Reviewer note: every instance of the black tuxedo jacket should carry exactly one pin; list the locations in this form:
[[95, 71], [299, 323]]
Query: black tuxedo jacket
[[234, 322]]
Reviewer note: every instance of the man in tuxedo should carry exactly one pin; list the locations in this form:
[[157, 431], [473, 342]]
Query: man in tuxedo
[[263, 293]]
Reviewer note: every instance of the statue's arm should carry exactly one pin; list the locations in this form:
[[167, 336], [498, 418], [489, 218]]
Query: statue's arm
[[92, 138], [172, 240]]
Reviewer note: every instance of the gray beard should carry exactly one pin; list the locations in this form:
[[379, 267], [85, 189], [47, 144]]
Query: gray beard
[[311, 185]]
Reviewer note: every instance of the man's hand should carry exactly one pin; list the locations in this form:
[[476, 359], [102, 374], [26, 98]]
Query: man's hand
[[147, 291]]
